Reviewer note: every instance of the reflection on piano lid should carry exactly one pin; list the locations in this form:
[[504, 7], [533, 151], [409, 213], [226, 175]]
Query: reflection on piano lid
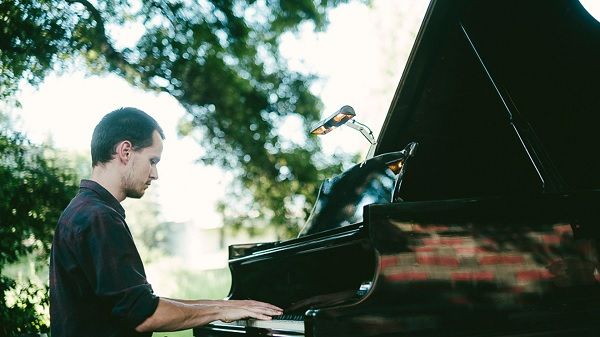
[[341, 199]]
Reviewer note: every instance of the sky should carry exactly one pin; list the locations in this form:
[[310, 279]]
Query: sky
[[359, 58]]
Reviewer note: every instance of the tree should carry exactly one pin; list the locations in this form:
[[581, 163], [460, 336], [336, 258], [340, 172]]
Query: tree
[[34, 190], [219, 58]]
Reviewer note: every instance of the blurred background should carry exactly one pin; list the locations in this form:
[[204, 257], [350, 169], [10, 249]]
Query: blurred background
[[236, 86]]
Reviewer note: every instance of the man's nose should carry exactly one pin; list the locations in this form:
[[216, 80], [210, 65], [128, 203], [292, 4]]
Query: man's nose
[[154, 173]]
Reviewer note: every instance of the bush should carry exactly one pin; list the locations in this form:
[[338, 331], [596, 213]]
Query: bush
[[34, 189]]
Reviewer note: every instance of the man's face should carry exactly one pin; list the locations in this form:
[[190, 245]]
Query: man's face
[[141, 168]]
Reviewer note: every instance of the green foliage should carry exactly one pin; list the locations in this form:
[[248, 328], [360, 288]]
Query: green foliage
[[34, 190], [220, 59], [23, 305], [33, 36]]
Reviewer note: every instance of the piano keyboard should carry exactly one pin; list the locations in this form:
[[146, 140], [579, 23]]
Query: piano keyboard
[[287, 323]]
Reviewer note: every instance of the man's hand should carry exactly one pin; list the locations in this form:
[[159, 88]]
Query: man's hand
[[172, 314], [235, 310]]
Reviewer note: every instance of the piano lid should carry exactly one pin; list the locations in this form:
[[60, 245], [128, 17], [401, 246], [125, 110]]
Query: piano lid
[[503, 96]]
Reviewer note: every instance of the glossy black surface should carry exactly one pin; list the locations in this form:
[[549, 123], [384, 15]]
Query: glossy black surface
[[314, 273], [341, 199], [498, 231], [483, 267]]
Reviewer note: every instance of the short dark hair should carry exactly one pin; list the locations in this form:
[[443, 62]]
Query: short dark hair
[[122, 124]]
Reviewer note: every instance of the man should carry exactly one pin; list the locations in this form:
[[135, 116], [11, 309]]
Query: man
[[98, 285]]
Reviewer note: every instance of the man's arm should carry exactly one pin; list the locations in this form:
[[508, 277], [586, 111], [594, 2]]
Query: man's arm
[[172, 315]]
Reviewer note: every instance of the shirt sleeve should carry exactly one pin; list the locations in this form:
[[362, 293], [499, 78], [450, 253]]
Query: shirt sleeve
[[113, 267]]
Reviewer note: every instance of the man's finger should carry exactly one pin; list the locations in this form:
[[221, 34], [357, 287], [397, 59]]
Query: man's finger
[[264, 311], [263, 304], [262, 317]]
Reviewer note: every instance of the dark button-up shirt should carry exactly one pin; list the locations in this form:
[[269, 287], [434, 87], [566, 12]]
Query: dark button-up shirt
[[98, 285]]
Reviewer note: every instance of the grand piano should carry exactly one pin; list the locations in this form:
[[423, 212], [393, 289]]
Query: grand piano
[[479, 213]]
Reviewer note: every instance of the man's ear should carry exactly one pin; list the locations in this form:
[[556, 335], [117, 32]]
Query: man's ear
[[123, 151]]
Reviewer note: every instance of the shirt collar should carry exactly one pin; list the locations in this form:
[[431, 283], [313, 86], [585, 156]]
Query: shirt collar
[[104, 195]]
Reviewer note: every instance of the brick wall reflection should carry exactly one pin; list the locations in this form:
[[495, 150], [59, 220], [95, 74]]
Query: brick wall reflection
[[502, 263]]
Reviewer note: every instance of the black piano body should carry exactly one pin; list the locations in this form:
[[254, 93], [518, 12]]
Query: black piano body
[[492, 227]]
